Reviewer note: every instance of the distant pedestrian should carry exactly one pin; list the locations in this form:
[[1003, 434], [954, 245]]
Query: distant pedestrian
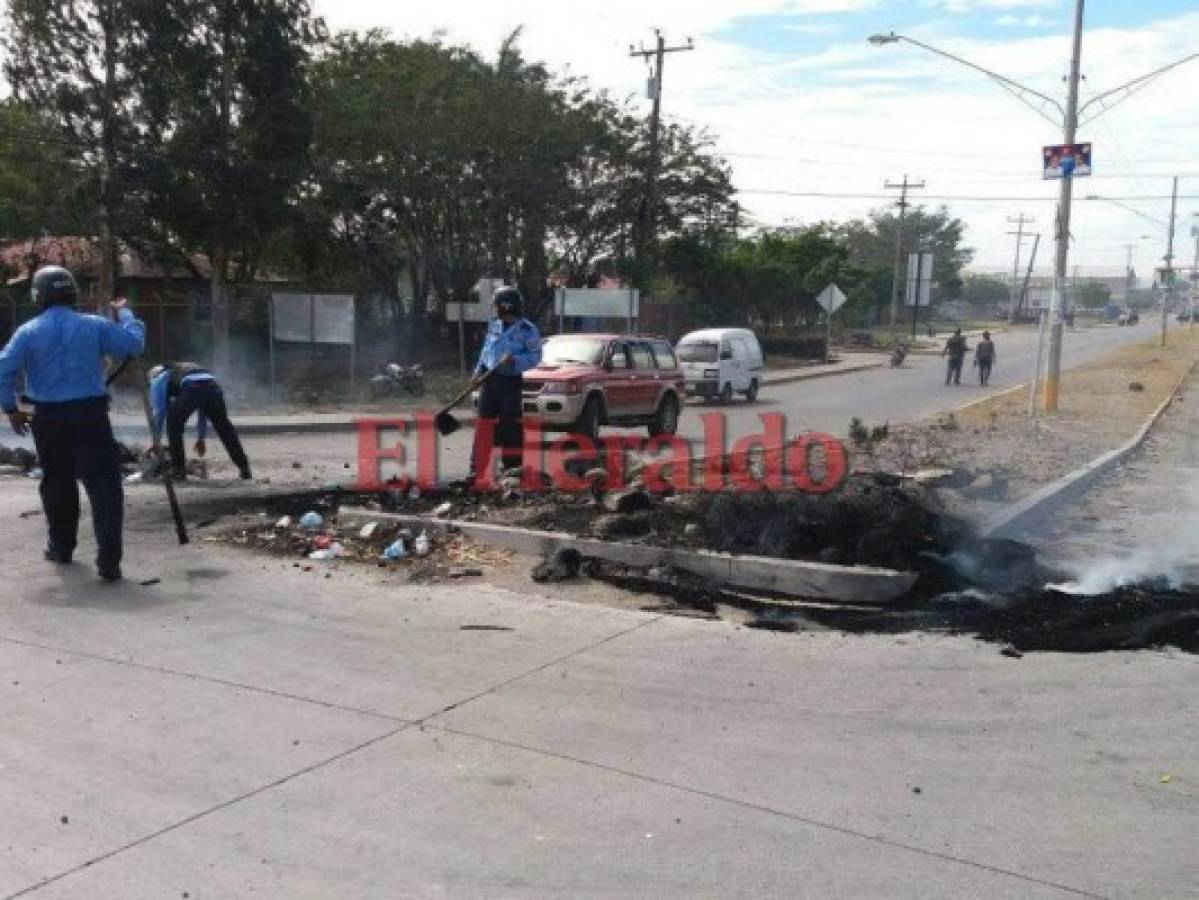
[[177, 391], [984, 358], [61, 353], [955, 350]]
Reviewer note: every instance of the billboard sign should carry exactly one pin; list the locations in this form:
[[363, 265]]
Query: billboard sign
[[920, 279], [1066, 161]]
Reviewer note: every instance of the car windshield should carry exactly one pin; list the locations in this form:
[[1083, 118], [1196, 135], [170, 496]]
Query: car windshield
[[697, 351], [567, 350]]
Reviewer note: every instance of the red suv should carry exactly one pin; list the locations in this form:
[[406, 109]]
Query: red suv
[[588, 380]]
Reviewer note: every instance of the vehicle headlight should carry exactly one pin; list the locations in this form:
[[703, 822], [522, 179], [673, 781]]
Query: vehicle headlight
[[560, 387], [711, 373]]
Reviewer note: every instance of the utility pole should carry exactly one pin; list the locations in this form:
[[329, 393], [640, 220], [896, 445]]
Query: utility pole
[[1168, 287], [1059, 300], [1019, 221], [1128, 276], [903, 188], [645, 228]]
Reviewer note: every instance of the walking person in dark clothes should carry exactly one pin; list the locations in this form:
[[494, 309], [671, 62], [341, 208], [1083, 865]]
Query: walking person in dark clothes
[[984, 358], [511, 347], [955, 349], [62, 352], [177, 391]]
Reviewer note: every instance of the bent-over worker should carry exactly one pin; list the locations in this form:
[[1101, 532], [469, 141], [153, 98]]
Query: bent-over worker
[[177, 391]]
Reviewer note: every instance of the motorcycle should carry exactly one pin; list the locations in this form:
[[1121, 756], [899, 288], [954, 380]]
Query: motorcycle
[[394, 378], [898, 355]]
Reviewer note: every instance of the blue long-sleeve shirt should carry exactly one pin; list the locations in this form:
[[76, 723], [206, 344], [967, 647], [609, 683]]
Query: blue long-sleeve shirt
[[521, 340], [160, 398], [61, 352]]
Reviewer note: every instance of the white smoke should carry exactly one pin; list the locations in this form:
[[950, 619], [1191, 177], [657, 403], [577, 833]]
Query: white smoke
[[1164, 551]]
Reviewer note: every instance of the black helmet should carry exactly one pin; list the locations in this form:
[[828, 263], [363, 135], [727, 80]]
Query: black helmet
[[54, 285], [509, 301]]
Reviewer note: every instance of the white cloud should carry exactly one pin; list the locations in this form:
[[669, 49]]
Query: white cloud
[[1033, 21], [850, 116]]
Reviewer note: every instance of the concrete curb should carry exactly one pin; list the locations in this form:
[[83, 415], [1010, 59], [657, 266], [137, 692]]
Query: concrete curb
[[1019, 518], [838, 584]]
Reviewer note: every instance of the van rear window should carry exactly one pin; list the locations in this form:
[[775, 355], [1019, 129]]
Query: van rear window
[[697, 351]]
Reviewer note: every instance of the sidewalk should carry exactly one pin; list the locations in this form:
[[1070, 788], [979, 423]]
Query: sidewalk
[[343, 422]]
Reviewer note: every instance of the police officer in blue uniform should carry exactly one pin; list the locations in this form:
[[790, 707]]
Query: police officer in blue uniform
[[61, 352], [177, 391], [512, 347]]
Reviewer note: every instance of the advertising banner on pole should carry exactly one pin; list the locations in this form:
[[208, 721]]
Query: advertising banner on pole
[[1065, 161]]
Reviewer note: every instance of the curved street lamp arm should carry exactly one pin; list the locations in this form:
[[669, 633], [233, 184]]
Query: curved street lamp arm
[[1019, 91], [1126, 90]]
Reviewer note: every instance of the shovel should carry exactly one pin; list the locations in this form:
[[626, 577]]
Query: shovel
[[444, 421]]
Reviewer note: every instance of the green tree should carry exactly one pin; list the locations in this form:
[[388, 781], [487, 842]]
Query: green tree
[[227, 110], [1092, 294], [985, 290], [871, 243], [37, 176]]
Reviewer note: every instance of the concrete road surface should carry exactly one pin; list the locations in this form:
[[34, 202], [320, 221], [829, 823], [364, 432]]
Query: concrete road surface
[[915, 391], [243, 729]]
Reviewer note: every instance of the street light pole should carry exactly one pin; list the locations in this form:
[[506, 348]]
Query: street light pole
[[1058, 301]]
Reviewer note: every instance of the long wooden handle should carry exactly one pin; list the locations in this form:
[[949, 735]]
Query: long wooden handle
[[164, 465], [474, 383]]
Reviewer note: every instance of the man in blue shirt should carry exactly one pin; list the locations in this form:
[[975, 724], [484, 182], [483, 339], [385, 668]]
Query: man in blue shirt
[[179, 389], [61, 353], [511, 347]]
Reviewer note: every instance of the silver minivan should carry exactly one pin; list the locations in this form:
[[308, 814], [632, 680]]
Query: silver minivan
[[721, 362]]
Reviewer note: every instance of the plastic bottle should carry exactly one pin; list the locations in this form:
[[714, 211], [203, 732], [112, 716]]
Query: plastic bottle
[[421, 545]]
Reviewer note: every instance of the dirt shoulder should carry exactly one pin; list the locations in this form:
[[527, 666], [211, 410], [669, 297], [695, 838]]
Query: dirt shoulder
[[999, 454]]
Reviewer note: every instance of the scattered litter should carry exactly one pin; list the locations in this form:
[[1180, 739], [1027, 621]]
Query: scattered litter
[[367, 531], [29, 514], [150, 582], [1166, 779], [484, 628], [443, 510], [929, 477], [563, 565], [421, 546], [464, 573], [333, 551], [1136, 387], [1011, 652], [414, 492], [284, 523], [64, 820], [395, 551], [311, 521]]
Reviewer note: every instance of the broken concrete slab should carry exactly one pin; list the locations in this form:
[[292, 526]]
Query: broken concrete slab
[[822, 581]]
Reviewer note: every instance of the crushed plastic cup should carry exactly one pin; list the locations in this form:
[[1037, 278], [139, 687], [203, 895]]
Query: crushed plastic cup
[[333, 551], [311, 521], [421, 545], [395, 551], [284, 523]]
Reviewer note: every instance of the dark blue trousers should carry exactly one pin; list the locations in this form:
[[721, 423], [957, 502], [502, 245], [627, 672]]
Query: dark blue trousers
[[75, 443]]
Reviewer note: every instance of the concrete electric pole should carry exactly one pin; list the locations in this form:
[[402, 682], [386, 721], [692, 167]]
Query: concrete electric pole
[[896, 279], [646, 225], [1168, 287], [1019, 221], [1059, 301]]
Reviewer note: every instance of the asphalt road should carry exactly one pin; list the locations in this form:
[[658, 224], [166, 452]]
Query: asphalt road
[[826, 404]]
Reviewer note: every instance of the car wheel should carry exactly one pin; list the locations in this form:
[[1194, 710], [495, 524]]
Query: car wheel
[[588, 423], [726, 393], [666, 419], [752, 394]]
